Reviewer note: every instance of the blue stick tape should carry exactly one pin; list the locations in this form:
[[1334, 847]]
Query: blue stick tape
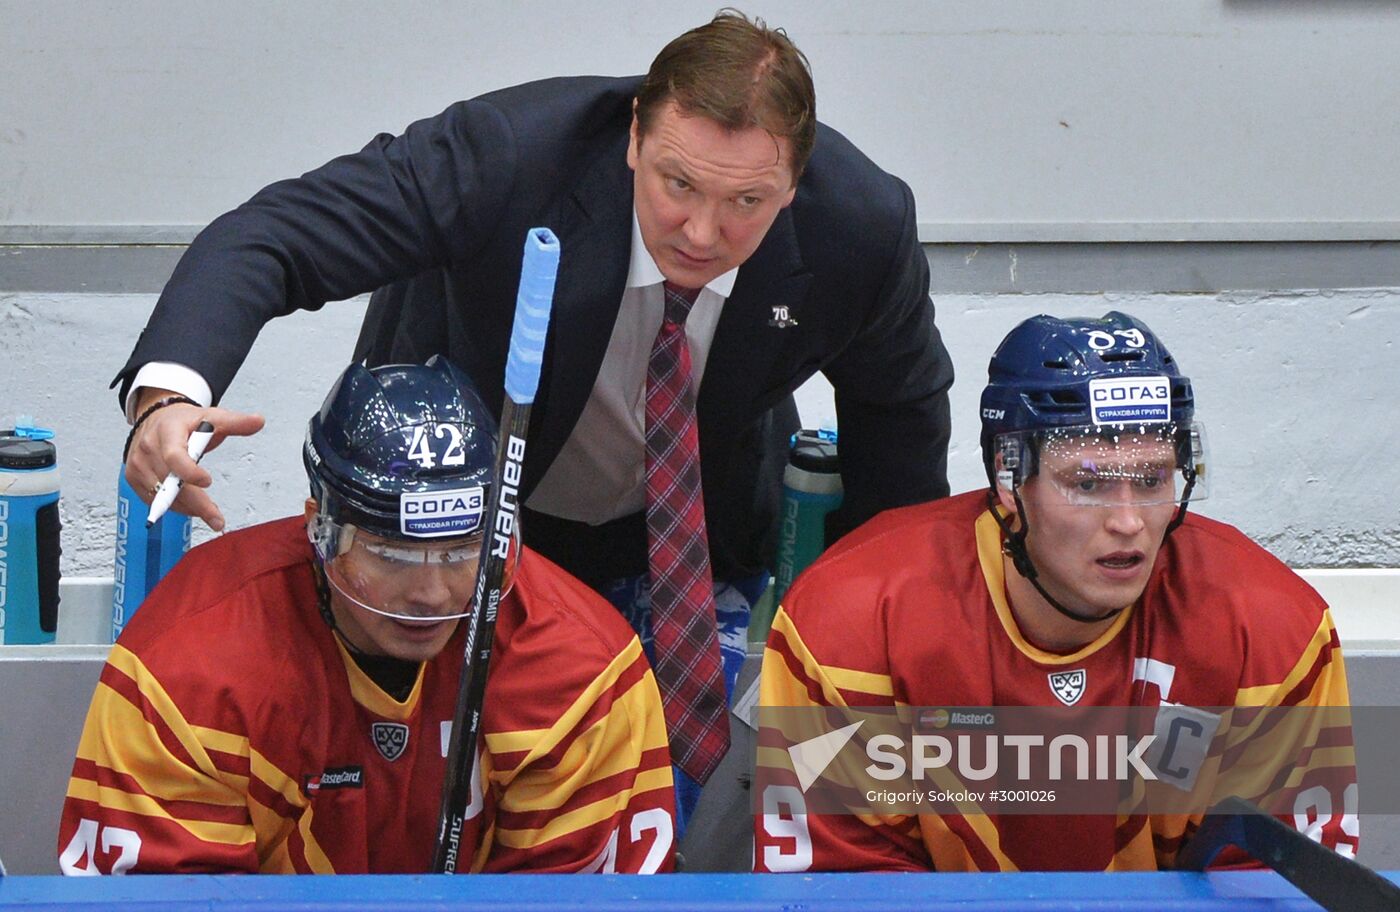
[[532, 307]]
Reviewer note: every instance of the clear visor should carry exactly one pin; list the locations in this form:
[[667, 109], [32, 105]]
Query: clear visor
[[399, 578], [1141, 465]]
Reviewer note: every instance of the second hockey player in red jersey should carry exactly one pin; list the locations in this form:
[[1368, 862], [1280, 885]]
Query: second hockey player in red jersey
[[1077, 579], [283, 701]]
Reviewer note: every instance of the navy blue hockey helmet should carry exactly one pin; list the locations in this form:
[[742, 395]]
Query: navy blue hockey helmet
[[402, 451], [1053, 374]]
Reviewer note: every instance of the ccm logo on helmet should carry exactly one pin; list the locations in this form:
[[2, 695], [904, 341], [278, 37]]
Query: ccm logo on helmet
[[1145, 400], [433, 514]]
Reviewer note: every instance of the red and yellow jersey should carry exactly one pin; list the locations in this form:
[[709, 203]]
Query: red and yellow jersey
[[911, 610], [232, 732]]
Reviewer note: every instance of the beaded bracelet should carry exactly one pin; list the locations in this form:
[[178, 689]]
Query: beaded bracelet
[[154, 406]]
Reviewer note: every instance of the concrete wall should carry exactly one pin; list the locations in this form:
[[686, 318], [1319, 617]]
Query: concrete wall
[[1013, 120]]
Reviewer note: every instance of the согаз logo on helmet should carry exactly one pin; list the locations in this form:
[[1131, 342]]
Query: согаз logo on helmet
[[430, 514], [1130, 399]]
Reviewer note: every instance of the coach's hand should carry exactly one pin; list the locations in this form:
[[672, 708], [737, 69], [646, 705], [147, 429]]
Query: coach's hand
[[160, 446]]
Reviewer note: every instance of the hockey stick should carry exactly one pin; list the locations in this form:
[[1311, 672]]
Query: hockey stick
[[532, 307], [1333, 881]]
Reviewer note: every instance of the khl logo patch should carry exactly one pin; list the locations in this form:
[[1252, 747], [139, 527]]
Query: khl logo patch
[[1068, 686], [390, 738]]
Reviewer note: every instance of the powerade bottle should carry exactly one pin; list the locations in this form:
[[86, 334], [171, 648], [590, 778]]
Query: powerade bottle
[[143, 555], [811, 489], [29, 533]]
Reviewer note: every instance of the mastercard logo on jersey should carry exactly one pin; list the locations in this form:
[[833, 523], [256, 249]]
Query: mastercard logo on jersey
[[334, 777], [933, 719]]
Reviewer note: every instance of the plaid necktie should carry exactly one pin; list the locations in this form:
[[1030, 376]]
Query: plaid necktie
[[688, 668]]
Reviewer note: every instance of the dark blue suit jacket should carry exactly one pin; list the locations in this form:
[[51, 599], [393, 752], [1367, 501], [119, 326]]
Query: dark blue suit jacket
[[435, 220]]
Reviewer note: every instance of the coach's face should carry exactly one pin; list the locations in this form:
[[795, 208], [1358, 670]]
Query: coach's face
[[705, 195]]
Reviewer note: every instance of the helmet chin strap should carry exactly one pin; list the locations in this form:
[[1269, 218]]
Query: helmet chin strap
[[1014, 544], [1189, 473], [323, 603]]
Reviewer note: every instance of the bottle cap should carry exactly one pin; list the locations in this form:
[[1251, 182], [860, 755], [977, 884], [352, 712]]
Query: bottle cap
[[25, 427], [23, 453], [815, 451]]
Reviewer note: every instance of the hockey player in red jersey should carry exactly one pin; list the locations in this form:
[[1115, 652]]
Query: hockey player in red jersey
[[283, 701], [1078, 578]]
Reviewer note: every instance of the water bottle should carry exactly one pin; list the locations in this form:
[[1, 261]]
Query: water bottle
[[29, 532], [811, 489], [143, 555]]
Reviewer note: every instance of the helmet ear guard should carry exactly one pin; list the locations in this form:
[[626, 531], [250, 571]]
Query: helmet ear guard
[[1191, 449], [1016, 459], [324, 535]]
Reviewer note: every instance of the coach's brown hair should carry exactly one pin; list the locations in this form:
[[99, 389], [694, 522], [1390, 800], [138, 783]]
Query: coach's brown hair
[[739, 73]]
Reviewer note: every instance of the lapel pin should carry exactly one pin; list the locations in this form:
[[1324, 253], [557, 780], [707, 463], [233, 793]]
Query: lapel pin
[[781, 318]]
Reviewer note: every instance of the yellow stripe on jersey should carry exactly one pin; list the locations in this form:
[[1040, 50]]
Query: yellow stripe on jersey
[[513, 742], [606, 748], [110, 739], [275, 779], [994, 573], [585, 816], [221, 741], [611, 746], [861, 681], [284, 785], [146, 806], [274, 855], [945, 850], [539, 742], [127, 663], [483, 849], [778, 686], [369, 695], [1266, 732], [1140, 854], [118, 736], [1273, 730], [274, 833], [272, 828], [1343, 758], [1169, 836], [1335, 694], [950, 853], [161, 774]]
